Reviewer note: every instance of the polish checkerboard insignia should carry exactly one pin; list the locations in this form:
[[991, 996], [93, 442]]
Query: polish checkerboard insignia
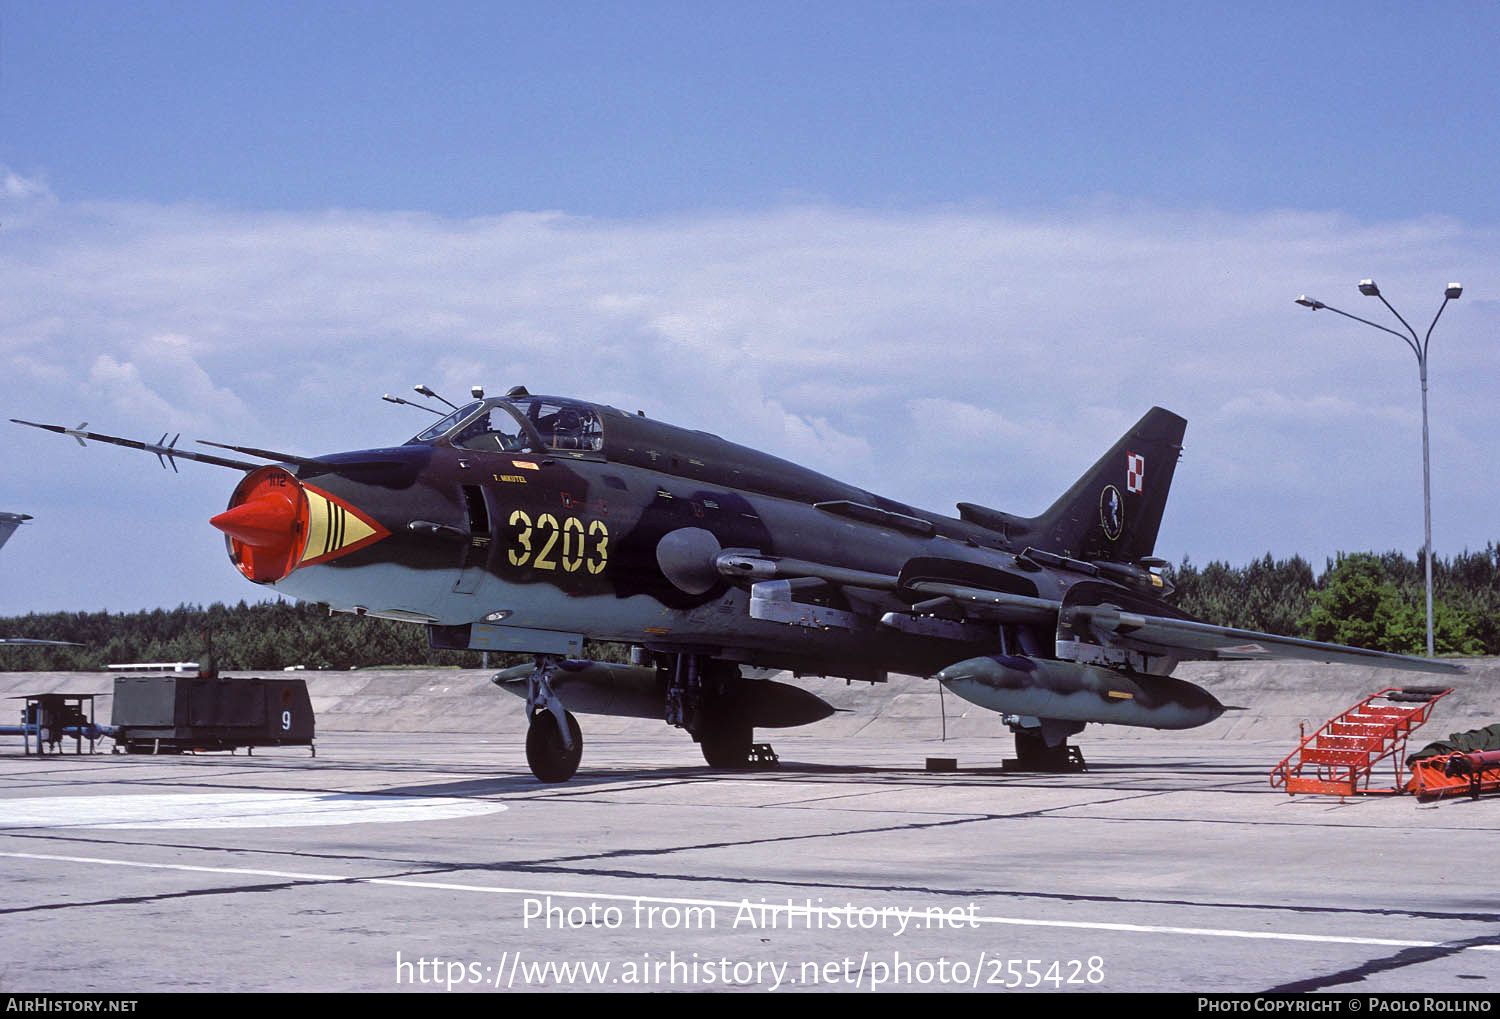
[[1135, 472]]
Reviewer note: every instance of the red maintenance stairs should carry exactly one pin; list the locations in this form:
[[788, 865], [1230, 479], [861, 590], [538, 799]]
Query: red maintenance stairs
[[1340, 758]]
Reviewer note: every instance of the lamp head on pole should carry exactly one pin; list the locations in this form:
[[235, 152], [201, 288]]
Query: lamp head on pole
[[1368, 288], [1308, 302], [1454, 289]]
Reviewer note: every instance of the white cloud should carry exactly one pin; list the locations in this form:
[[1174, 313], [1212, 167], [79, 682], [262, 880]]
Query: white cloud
[[23, 200]]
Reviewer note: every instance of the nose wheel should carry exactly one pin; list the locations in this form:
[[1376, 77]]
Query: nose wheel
[[554, 742], [550, 756]]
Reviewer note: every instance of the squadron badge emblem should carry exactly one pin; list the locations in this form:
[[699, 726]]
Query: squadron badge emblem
[[1111, 512]]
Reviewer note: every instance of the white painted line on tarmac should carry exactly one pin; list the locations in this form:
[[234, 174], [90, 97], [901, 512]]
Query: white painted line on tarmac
[[234, 810], [761, 908]]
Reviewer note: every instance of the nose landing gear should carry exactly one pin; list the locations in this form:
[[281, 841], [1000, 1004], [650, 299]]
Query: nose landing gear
[[553, 758], [554, 741]]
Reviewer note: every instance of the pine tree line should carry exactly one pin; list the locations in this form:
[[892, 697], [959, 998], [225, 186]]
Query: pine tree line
[[1362, 599], [245, 637]]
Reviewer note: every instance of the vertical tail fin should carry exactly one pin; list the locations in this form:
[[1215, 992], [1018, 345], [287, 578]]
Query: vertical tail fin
[[1114, 511]]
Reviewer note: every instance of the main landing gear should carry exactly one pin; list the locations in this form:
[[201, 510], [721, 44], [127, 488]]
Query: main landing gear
[[724, 739], [696, 692], [703, 696], [1045, 747]]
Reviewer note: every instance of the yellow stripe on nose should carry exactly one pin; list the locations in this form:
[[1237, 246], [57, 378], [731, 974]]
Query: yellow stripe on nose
[[333, 526]]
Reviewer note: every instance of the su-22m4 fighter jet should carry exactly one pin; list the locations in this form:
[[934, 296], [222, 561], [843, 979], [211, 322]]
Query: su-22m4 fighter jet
[[526, 523]]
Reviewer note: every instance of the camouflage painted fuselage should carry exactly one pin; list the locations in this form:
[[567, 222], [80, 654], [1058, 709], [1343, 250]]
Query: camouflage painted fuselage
[[570, 541]]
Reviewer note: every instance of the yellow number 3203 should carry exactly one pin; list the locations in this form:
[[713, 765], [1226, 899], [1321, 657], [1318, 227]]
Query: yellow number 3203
[[536, 543]]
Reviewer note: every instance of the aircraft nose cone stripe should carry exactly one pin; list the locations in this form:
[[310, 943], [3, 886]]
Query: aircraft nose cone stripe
[[335, 528]]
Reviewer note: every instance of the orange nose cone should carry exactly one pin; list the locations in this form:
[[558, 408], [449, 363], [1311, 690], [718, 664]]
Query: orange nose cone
[[265, 521]]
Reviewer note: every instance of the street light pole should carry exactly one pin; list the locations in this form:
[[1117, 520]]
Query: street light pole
[[1419, 348]]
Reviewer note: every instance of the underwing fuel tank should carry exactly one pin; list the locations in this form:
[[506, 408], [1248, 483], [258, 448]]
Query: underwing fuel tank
[[633, 691], [1072, 691]]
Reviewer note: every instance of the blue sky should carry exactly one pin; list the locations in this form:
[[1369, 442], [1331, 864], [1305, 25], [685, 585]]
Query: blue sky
[[621, 108], [846, 233]]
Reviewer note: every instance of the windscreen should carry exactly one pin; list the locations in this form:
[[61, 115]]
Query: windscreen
[[449, 422]]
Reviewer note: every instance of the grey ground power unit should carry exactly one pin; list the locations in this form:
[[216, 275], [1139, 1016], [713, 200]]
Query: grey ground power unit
[[169, 714]]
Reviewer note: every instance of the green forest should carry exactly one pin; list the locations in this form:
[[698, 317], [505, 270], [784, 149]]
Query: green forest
[[1363, 599], [264, 636]]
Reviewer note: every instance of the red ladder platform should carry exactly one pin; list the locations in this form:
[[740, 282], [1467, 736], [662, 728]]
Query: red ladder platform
[[1339, 758]]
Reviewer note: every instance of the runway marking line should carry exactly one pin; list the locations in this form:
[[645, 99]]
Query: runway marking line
[[288, 809], [448, 886]]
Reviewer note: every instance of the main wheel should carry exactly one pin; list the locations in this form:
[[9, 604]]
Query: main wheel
[[549, 757], [725, 738], [1033, 753]]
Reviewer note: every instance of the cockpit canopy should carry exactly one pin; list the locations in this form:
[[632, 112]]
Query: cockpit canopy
[[519, 424]]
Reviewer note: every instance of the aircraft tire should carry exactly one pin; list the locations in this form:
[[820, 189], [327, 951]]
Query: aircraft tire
[[726, 742], [549, 758], [1033, 753]]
